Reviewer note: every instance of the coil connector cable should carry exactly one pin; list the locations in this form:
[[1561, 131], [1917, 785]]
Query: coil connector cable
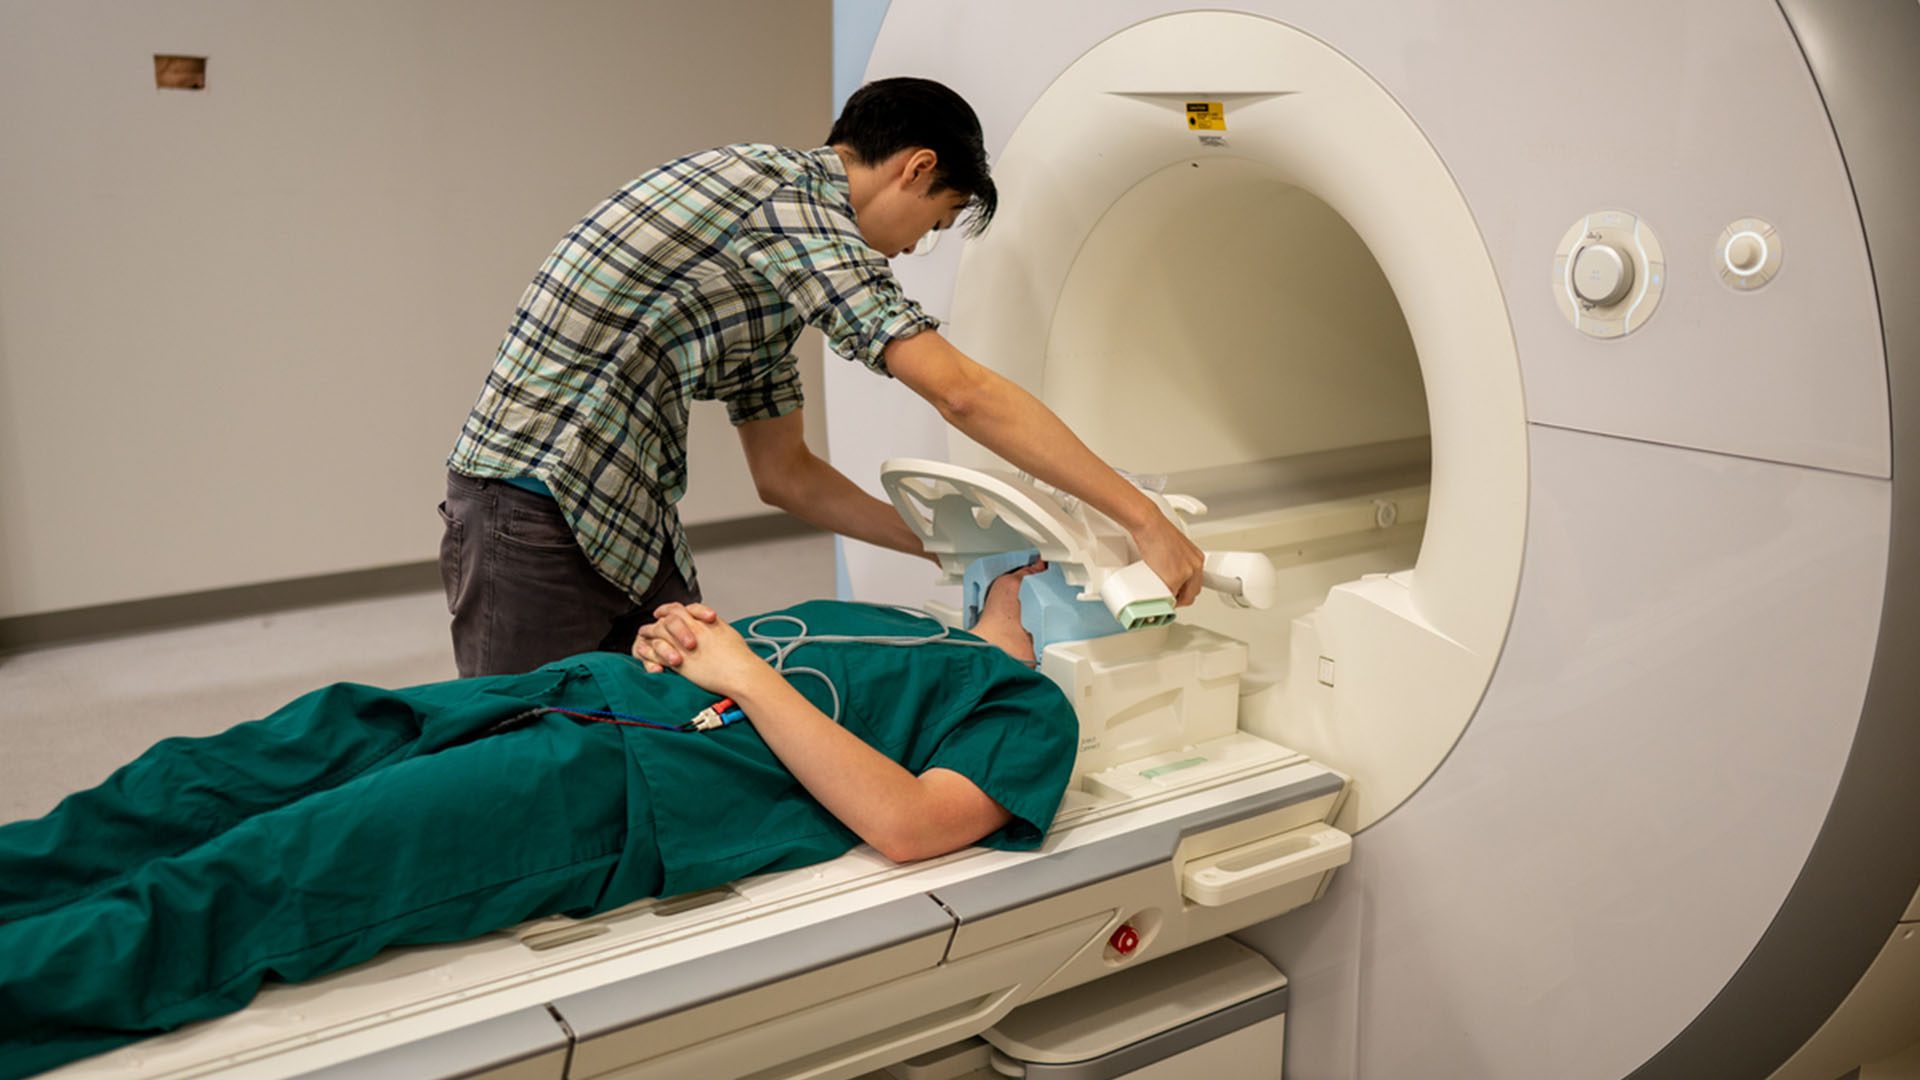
[[718, 714]]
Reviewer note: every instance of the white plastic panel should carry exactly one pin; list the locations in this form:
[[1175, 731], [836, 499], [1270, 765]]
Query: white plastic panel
[[1638, 791], [1711, 115], [1371, 690], [1124, 1009]]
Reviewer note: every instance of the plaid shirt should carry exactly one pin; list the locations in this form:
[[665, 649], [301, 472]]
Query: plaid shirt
[[692, 282]]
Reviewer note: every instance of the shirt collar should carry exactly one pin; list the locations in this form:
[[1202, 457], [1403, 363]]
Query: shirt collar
[[829, 161]]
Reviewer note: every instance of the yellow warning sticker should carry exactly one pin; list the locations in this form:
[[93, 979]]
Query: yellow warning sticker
[[1206, 116]]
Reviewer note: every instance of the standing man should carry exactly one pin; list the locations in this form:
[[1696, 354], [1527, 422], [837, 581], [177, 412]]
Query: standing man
[[693, 282]]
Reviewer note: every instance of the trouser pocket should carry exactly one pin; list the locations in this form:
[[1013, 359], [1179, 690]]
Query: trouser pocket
[[452, 555]]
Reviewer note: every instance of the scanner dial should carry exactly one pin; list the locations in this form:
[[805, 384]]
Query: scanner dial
[[1608, 273]]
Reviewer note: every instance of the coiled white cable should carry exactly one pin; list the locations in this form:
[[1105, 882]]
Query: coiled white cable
[[782, 647]]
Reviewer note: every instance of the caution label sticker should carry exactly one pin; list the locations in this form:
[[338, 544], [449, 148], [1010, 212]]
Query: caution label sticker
[[1206, 116]]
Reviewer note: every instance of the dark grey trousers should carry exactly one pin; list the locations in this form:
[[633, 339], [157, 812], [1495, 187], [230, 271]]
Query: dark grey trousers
[[520, 590]]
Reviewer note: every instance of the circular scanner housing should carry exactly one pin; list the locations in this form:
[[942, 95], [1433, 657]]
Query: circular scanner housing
[[1297, 320]]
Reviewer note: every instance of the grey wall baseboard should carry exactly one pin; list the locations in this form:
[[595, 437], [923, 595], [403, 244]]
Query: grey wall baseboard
[[134, 616], [747, 530], [183, 609]]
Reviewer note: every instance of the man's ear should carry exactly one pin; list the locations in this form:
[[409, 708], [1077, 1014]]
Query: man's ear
[[920, 164]]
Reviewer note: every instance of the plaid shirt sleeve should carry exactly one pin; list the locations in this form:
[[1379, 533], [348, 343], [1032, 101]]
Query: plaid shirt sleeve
[[777, 396], [813, 257]]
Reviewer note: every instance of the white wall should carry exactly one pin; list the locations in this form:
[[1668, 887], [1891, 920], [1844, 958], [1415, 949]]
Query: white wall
[[239, 328]]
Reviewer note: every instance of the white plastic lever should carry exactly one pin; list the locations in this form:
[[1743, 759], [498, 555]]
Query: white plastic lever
[[1245, 578], [1188, 506], [1238, 873]]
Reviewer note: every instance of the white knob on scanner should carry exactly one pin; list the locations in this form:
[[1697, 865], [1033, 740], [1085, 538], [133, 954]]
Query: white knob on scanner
[[1244, 577]]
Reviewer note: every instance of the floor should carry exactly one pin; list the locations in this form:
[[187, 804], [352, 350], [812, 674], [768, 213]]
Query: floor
[[71, 714]]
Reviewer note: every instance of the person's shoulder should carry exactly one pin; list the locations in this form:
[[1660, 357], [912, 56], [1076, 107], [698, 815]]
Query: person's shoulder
[[809, 183], [782, 163], [843, 617], [1009, 683], [903, 626], [765, 187]]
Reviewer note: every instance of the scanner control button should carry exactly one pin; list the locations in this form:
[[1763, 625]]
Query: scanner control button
[[1602, 274], [1608, 273], [1124, 940], [1747, 255]]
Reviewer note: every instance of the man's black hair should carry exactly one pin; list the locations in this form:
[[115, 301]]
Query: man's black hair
[[887, 116]]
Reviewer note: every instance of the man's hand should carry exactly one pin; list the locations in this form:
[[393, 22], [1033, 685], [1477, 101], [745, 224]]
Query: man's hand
[[691, 639], [1172, 556]]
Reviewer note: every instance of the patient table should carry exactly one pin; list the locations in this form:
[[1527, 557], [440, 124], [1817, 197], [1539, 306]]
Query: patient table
[[1177, 829]]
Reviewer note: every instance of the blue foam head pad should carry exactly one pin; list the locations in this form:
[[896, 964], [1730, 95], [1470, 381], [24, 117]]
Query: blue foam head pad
[[1050, 609], [980, 576]]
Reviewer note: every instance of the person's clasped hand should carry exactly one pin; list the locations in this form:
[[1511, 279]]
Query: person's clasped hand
[[692, 640]]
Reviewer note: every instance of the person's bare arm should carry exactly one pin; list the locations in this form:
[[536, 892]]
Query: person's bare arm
[[905, 817], [789, 476], [1000, 415]]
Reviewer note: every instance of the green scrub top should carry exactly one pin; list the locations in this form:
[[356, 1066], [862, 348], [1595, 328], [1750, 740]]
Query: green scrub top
[[724, 807]]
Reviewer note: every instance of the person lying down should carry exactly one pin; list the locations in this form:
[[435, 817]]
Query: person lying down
[[356, 818]]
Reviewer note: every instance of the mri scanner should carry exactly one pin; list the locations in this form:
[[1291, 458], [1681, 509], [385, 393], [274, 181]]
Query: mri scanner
[[1557, 368], [1556, 355]]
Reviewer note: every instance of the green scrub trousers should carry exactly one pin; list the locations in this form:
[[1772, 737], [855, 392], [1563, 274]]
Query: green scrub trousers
[[351, 819]]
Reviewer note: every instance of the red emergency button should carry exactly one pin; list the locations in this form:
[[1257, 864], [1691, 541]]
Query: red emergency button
[[1124, 940]]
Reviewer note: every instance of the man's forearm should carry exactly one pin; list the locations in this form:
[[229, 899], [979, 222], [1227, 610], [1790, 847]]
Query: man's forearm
[[998, 414], [819, 494], [1005, 418]]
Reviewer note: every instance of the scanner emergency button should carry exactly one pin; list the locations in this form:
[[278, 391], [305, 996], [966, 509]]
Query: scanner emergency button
[[1748, 254]]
